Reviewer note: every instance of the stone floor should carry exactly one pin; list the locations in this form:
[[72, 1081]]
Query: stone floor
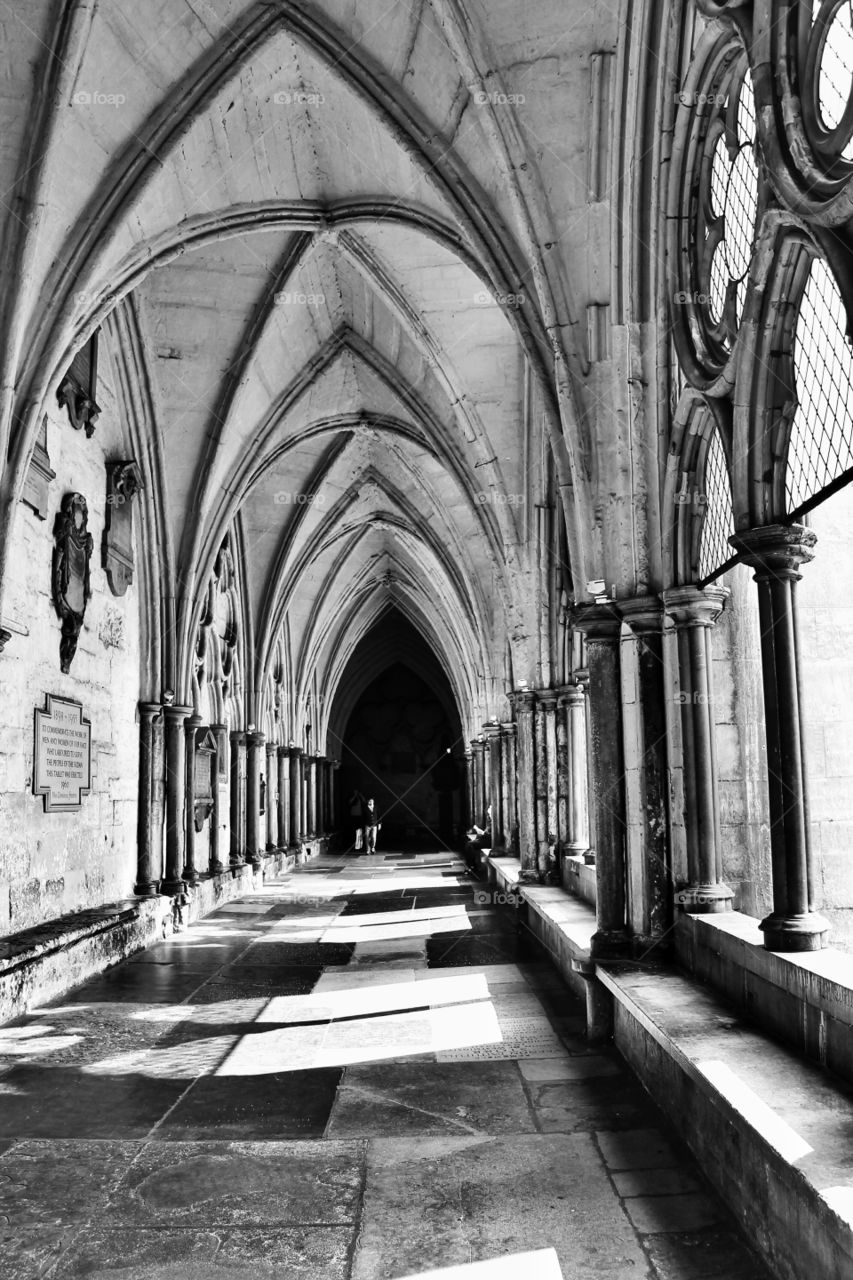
[[360, 1072]]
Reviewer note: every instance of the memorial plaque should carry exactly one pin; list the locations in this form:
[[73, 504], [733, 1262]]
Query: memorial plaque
[[62, 755]]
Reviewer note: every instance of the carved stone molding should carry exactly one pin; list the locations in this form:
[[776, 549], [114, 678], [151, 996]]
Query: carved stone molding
[[76, 392], [39, 475], [124, 481], [70, 579]]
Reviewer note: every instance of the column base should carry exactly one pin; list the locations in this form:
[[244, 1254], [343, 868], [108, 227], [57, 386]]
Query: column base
[[599, 1003], [610, 944], [190, 876], [705, 899], [236, 863], [528, 875], [218, 868], [147, 888], [805, 932], [589, 857], [173, 888]]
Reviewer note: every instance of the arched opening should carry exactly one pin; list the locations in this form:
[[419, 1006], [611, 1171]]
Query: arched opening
[[397, 729]]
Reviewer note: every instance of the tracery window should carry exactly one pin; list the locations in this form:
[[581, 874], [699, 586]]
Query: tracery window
[[760, 263]]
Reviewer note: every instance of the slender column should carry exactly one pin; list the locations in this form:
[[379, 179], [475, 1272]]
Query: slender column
[[238, 798], [508, 785], [524, 703], [650, 900], [561, 736], [190, 873], [216, 864], [602, 628], [272, 796], [147, 869], [283, 796], [253, 798], [478, 752], [468, 815], [541, 782], [492, 734], [776, 552], [295, 795], [694, 613], [576, 701], [320, 802], [175, 778], [311, 797], [548, 837]]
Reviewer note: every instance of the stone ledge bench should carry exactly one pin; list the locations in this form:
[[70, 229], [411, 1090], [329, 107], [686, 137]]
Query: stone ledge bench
[[771, 1131]]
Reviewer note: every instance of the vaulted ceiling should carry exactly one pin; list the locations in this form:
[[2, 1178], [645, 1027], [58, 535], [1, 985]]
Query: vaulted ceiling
[[342, 253]]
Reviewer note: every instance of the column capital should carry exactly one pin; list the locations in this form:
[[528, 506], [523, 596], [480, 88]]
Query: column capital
[[295, 752], [547, 697], [177, 714], [599, 623], [272, 748], [508, 728], [238, 737], [491, 730], [255, 738], [218, 729], [775, 550], [690, 607], [192, 723], [149, 711], [643, 614]]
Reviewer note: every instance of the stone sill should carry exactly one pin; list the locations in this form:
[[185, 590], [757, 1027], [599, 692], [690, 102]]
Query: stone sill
[[42, 940], [806, 999], [770, 1130], [578, 878]]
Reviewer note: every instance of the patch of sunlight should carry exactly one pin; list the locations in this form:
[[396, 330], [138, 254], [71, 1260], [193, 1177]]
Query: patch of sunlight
[[451, 911], [31, 1040], [371, 1039], [840, 1201], [177, 1062], [386, 933], [773, 1129], [542, 1263], [356, 1001]]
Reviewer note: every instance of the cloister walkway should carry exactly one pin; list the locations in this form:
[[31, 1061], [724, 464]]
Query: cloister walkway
[[359, 1072]]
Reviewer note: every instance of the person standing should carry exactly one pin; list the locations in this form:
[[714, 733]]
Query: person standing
[[372, 824], [355, 804]]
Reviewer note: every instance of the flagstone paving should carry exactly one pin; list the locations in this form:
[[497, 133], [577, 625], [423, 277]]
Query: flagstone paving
[[361, 1073]]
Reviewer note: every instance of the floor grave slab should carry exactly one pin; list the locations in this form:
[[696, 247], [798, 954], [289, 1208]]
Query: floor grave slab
[[230, 1184], [410, 1098], [60, 1182], [62, 1102], [291, 1104], [299, 1253]]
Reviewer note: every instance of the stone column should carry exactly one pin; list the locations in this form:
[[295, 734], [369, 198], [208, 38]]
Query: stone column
[[541, 782], [283, 797], [775, 553], [508, 785], [238, 798], [478, 753], [253, 798], [148, 866], [561, 735], [216, 864], [468, 815], [190, 872], [524, 703], [650, 881], [272, 796], [548, 837], [694, 613], [602, 627], [173, 882], [311, 797], [296, 795], [320, 796], [492, 734], [576, 705]]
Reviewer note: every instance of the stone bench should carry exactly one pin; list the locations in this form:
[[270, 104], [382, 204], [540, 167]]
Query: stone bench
[[771, 1131]]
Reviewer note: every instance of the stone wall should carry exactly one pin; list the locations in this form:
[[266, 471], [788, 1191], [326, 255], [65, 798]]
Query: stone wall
[[826, 637], [53, 863], [741, 752]]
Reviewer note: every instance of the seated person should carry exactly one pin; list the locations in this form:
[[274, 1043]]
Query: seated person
[[481, 837]]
